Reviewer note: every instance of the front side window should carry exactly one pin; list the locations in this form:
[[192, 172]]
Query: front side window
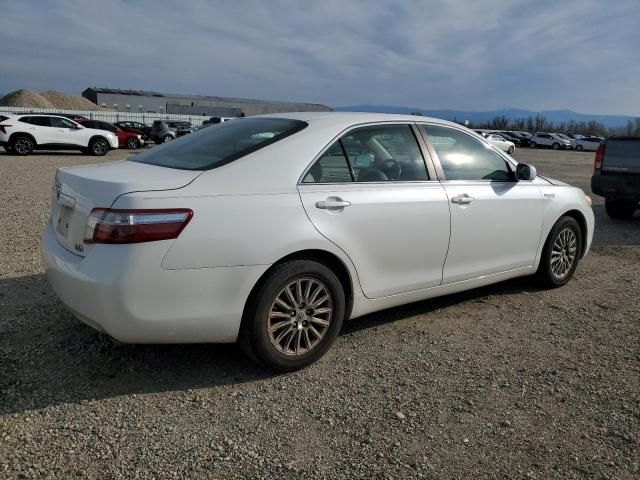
[[464, 157], [380, 153], [220, 144]]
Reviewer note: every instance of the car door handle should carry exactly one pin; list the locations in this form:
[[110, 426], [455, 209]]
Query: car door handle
[[463, 199], [332, 203]]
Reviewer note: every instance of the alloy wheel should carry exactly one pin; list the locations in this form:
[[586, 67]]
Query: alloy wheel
[[563, 253], [300, 316], [23, 146], [100, 147], [132, 143]]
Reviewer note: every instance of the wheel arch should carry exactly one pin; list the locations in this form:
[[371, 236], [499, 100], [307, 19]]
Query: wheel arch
[[23, 134], [98, 136], [579, 217], [328, 259]]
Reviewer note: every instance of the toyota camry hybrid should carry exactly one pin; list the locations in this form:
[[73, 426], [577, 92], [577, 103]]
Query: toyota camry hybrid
[[274, 230]]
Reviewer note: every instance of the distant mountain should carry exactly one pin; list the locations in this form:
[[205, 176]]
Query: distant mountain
[[609, 121]]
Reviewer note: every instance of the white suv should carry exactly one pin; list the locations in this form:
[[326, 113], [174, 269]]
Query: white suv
[[549, 140], [22, 134]]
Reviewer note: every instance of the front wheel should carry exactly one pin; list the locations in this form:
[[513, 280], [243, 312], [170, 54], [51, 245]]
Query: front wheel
[[167, 138], [556, 146], [98, 147], [620, 209], [579, 148], [294, 316], [561, 253], [511, 149], [133, 143]]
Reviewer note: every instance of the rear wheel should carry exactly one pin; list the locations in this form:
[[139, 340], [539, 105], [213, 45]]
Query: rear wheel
[[98, 147], [167, 138], [511, 149], [579, 148], [22, 145], [556, 146], [294, 317], [133, 143], [561, 253], [620, 209]]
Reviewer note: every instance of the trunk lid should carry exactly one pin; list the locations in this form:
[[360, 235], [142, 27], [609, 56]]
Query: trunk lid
[[78, 190]]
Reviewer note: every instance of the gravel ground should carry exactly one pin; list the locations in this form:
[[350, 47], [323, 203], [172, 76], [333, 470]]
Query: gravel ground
[[507, 381]]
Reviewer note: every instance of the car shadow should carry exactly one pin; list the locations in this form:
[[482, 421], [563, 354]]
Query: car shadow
[[49, 358]]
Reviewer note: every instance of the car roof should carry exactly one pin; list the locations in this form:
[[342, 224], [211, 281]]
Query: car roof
[[354, 118]]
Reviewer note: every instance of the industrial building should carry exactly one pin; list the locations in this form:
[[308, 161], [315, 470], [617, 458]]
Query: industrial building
[[144, 101]]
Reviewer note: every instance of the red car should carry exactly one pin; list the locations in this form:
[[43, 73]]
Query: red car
[[126, 138]]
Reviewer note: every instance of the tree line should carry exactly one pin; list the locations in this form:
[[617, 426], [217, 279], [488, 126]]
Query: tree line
[[539, 123]]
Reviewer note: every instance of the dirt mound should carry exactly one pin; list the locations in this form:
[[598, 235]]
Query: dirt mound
[[25, 98], [48, 99], [69, 102]]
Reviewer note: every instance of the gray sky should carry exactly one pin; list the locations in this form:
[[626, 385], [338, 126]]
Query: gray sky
[[472, 55]]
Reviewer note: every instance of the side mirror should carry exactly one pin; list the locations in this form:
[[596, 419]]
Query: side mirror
[[526, 172]]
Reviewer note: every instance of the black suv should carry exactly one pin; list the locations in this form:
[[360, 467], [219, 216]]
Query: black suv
[[616, 175]]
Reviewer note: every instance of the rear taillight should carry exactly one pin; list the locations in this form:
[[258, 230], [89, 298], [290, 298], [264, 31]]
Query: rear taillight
[[2, 128], [135, 226], [597, 161]]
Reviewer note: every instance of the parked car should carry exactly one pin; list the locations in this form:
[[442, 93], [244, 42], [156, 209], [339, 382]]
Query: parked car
[[524, 138], [163, 131], [141, 128], [512, 137], [575, 136], [126, 138], [22, 134], [499, 141], [274, 230], [550, 140], [616, 175], [588, 143], [572, 142]]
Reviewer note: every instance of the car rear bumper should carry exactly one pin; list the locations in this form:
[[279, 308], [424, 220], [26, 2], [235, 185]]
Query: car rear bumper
[[617, 187], [123, 291]]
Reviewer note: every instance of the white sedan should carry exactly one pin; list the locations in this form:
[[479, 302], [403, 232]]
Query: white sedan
[[502, 143], [274, 230], [588, 143]]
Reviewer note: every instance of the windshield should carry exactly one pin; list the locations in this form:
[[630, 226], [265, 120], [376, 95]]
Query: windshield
[[220, 144]]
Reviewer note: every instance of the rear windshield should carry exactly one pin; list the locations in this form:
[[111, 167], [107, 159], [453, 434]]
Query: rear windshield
[[220, 144], [622, 156]]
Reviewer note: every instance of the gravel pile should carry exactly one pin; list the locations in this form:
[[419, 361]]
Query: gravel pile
[[502, 382], [48, 99], [25, 98]]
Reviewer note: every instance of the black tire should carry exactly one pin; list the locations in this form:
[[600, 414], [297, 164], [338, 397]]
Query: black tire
[[167, 138], [255, 339], [546, 270], [620, 209], [133, 143], [22, 145], [556, 146], [511, 150], [532, 144], [579, 148], [99, 146]]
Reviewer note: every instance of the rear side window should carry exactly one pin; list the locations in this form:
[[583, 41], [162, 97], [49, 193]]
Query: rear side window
[[220, 144], [331, 167], [40, 121], [622, 155]]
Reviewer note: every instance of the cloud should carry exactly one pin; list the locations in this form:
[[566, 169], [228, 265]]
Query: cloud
[[433, 54]]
